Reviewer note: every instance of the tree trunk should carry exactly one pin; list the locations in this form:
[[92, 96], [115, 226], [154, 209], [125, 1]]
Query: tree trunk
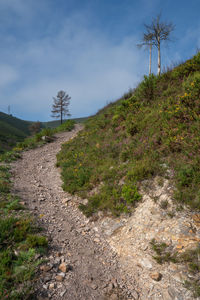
[[150, 52], [159, 59], [61, 114]]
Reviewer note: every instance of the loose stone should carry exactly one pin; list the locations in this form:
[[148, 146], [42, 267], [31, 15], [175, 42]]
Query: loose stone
[[52, 286], [59, 278], [156, 276]]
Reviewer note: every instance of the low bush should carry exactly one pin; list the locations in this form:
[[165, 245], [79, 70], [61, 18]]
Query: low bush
[[66, 126], [130, 193], [146, 91]]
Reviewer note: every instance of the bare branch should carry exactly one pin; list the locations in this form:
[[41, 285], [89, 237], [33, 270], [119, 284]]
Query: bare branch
[[159, 31]]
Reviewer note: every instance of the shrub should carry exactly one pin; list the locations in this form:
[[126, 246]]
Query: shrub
[[130, 193], [77, 178], [187, 68], [143, 169], [66, 126], [163, 253], [185, 175], [7, 227], [164, 204], [146, 91], [34, 241], [13, 205], [44, 132], [9, 156], [4, 186]]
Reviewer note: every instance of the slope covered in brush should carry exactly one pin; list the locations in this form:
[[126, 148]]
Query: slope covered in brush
[[12, 130], [149, 132]]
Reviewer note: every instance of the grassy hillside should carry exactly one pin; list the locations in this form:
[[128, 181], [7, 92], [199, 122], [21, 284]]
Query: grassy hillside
[[12, 130], [152, 131]]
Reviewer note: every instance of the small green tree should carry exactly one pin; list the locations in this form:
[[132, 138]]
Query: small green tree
[[60, 106]]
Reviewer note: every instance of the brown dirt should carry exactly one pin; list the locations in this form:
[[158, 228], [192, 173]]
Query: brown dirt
[[93, 271]]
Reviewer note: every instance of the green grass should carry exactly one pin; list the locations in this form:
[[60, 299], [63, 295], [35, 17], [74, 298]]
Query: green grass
[[20, 239], [37, 140], [20, 243], [54, 124], [12, 130], [149, 131], [34, 141]]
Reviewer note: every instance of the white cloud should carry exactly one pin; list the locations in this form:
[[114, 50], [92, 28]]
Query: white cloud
[[82, 61], [19, 8], [7, 75]]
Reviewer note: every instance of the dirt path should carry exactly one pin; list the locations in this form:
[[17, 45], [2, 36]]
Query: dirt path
[[88, 267]]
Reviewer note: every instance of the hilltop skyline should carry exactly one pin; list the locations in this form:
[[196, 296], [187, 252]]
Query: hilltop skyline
[[86, 48]]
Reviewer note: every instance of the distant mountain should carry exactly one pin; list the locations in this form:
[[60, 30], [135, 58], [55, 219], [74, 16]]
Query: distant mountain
[[12, 130]]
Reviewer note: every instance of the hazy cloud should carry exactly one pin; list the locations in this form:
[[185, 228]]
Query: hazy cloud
[[7, 75], [82, 62], [87, 48]]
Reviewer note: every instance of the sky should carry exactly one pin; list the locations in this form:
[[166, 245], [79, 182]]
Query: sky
[[87, 48]]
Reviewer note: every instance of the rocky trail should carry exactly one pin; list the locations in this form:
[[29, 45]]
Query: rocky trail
[[80, 263], [104, 258]]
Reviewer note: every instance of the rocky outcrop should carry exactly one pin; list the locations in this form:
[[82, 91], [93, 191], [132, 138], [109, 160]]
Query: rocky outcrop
[[130, 239]]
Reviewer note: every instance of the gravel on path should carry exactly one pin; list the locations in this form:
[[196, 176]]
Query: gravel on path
[[81, 264]]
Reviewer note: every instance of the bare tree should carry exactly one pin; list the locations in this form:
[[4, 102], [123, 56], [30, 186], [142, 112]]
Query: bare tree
[[60, 106], [35, 127], [147, 41], [160, 31]]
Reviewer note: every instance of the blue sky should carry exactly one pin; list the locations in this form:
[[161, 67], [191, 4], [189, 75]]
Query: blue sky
[[84, 47]]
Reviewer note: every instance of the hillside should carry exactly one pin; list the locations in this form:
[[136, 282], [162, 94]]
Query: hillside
[[12, 130], [136, 170], [54, 124], [153, 131]]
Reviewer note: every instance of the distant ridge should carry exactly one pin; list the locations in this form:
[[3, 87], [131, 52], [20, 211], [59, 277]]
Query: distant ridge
[[12, 130]]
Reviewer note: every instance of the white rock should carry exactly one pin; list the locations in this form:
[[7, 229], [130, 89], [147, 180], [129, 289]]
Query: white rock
[[146, 263]]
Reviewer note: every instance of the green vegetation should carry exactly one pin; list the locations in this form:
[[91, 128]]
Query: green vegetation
[[20, 240], [54, 124], [151, 130], [12, 130], [15, 122], [163, 254], [189, 258], [20, 243], [35, 141]]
